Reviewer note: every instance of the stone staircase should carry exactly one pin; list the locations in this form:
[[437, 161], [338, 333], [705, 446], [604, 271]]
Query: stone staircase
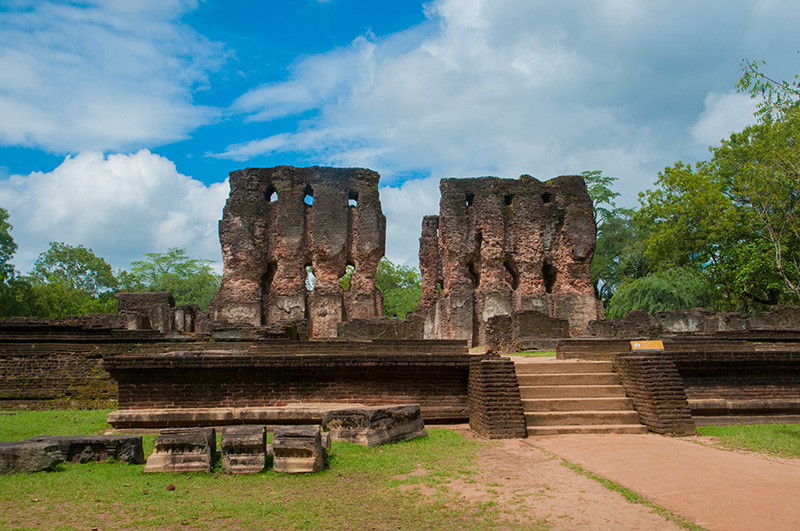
[[571, 396]]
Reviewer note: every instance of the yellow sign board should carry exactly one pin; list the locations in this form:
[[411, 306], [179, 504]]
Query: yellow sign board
[[647, 345]]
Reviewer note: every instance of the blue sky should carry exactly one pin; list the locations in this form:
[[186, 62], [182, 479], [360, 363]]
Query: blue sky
[[120, 120]]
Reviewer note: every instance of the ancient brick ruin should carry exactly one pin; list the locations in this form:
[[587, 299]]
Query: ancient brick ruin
[[279, 222], [500, 246]]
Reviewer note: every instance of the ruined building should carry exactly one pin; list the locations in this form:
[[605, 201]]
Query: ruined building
[[280, 224], [500, 246]]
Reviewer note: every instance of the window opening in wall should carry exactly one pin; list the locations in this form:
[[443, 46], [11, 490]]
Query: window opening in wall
[[344, 280], [439, 287], [271, 194], [470, 199], [547, 197], [352, 198], [512, 270], [309, 198], [549, 275], [474, 274], [268, 276], [508, 199], [310, 278]]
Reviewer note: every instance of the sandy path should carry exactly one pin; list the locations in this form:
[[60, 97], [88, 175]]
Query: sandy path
[[527, 483], [714, 488]]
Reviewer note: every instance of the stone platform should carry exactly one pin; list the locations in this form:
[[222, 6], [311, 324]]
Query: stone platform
[[286, 382]]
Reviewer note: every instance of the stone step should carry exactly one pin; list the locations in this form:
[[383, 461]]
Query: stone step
[[579, 418], [539, 431], [601, 378], [577, 404], [551, 366], [571, 391]]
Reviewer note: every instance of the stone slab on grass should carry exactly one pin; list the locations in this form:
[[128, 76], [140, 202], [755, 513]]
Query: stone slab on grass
[[297, 449], [244, 449], [28, 456], [83, 449], [183, 450], [375, 425]]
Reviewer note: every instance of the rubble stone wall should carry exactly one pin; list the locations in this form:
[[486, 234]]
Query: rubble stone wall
[[279, 221], [500, 246]]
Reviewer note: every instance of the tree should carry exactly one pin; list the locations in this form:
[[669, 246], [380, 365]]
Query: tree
[[7, 248], [670, 289], [619, 251], [75, 267], [736, 217], [190, 280], [401, 287]]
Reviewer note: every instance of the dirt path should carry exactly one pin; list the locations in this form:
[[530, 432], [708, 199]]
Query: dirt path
[[527, 483], [714, 488]]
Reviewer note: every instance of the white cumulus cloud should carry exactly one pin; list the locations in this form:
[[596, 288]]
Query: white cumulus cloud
[[103, 74], [724, 113], [121, 206]]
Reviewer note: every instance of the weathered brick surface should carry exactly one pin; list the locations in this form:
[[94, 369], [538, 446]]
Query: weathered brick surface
[[505, 245], [657, 391], [269, 234], [494, 398]]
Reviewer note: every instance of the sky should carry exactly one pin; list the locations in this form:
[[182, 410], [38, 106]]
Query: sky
[[120, 119]]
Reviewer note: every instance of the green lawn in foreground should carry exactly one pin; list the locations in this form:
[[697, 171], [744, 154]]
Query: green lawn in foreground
[[536, 353], [364, 488], [776, 439]]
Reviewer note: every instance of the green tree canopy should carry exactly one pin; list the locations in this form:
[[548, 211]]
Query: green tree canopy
[[7, 248], [401, 287], [75, 267], [669, 289], [190, 280]]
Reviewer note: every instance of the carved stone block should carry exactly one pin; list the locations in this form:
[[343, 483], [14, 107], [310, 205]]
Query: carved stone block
[[244, 449], [297, 449], [83, 449], [28, 456], [183, 450], [372, 426]]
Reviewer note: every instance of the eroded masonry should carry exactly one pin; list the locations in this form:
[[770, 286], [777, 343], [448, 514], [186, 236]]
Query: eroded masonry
[[284, 224], [500, 246]]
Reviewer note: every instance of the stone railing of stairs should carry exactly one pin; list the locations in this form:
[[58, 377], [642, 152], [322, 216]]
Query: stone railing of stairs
[[571, 396]]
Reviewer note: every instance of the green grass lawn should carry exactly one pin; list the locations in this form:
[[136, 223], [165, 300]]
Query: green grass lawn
[[781, 440], [364, 488], [536, 353]]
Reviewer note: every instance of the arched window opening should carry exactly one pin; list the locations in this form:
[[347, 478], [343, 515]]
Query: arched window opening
[[309, 197], [271, 194], [311, 280], [508, 199], [513, 272], [474, 274], [344, 280], [352, 198], [470, 199], [549, 274], [547, 197]]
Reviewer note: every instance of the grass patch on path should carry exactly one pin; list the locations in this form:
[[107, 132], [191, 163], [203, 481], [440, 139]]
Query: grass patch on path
[[400, 486], [634, 498], [781, 440]]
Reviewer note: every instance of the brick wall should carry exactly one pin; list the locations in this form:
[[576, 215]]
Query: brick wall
[[494, 399], [45, 365], [277, 373], [657, 391]]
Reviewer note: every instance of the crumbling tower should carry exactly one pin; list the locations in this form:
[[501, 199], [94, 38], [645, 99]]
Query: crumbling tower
[[281, 222], [502, 245]]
